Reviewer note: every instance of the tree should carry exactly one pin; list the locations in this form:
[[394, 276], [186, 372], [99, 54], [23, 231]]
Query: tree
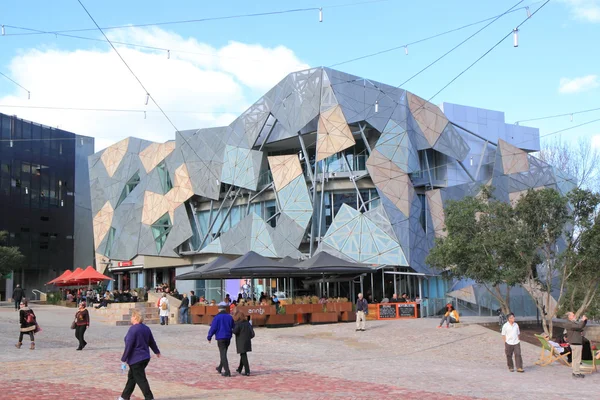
[[580, 160], [583, 253], [566, 245], [485, 243], [10, 257]]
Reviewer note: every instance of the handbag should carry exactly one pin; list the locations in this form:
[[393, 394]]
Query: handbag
[[73, 324], [37, 328]]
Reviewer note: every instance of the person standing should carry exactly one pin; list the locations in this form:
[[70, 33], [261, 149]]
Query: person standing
[[512, 343], [183, 309], [138, 342], [28, 324], [574, 337], [362, 310], [17, 296], [193, 298], [243, 340], [82, 321], [163, 306], [222, 327]]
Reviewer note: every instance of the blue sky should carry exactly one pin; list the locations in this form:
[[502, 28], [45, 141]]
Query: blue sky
[[246, 56]]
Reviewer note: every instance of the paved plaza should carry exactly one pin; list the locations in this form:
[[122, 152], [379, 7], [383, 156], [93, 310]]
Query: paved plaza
[[392, 360]]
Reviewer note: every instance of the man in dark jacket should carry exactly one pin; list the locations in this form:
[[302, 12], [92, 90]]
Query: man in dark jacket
[[574, 337], [17, 296], [183, 309], [193, 298], [222, 328]]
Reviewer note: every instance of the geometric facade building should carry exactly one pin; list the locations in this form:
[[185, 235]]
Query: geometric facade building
[[324, 161]]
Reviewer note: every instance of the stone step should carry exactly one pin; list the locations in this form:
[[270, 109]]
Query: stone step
[[146, 316], [154, 321]]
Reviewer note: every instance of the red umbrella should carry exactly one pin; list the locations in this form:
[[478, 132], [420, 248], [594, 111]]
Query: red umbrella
[[71, 279], [91, 274], [63, 276]]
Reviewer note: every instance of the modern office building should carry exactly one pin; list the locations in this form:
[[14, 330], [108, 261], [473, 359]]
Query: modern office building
[[45, 201], [324, 161]]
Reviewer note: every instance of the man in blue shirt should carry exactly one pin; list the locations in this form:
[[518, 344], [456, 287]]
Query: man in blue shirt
[[222, 328], [138, 340]]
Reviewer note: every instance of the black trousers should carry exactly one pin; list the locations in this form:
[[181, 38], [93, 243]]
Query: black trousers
[[244, 363], [18, 304], [223, 346], [26, 333], [79, 332], [137, 375]]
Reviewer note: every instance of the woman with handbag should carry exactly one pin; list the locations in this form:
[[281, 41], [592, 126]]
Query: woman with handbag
[[28, 324], [163, 306], [243, 340], [80, 324]]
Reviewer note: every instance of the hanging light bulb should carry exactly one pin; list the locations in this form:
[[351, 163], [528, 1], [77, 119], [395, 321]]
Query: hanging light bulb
[[3, 31], [516, 37], [26, 190], [471, 161], [147, 98], [320, 15], [571, 117], [62, 203], [528, 12], [376, 106], [406, 50], [168, 54], [11, 143], [28, 95]]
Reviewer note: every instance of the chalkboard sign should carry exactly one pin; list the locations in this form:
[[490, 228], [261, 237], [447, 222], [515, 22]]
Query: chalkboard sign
[[407, 310], [387, 311]]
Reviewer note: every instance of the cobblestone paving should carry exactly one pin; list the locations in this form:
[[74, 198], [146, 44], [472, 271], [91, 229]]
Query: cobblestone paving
[[391, 360]]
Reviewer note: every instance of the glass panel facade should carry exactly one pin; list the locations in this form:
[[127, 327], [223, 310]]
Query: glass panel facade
[[109, 242], [129, 186], [165, 179], [160, 231]]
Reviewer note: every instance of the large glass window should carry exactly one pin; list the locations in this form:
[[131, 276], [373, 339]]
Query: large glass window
[[165, 179], [160, 230], [109, 242], [129, 186], [270, 211], [423, 215]]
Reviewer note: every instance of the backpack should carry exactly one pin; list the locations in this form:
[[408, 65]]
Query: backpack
[[163, 306], [30, 319]]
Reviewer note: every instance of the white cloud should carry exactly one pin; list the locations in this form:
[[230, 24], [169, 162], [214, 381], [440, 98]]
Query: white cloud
[[219, 83], [579, 84], [586, 10]]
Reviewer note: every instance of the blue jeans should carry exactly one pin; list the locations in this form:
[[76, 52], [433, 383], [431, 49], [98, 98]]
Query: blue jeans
[[183, 315]]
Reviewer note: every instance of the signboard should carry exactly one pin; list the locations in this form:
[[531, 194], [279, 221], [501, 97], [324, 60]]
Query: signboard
[[387, 311], [407, 310], [125, 263]]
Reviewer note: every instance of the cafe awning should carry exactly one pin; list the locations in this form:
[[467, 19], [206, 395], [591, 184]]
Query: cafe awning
[[198, 272], [325, 263], [250, 265]]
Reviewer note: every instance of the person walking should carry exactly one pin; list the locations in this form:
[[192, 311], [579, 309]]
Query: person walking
[[28, 323], [575, 339], [243, 340], [82, 321], [17, 296], [163, 306], [512, 343], [138, 342], [222, 327], [362, 310], [183, 309]]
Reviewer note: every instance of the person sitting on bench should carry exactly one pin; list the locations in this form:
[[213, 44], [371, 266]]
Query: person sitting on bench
[[450, 317]]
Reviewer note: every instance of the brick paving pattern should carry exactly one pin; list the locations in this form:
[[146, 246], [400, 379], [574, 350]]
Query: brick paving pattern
[[391, 360]]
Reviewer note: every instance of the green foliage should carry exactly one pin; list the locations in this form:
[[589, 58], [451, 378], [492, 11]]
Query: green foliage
[[485, 243], [53, 297], [10, 257]]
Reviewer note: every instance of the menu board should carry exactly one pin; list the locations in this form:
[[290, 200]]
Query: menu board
[[387, 311], [407, 310]]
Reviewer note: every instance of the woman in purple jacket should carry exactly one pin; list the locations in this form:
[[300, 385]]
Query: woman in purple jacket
[[138, 340]]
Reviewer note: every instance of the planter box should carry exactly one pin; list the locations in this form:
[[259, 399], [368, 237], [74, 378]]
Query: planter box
[[212, 310], [323, 318], [302, 318], [259, 320], [257, 310], [303, 308], [207, 319], [348, 316], [198, 310], [196, 319], [280, 320], [339, 307]]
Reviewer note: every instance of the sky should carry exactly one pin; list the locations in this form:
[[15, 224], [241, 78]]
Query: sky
[[215, 69]]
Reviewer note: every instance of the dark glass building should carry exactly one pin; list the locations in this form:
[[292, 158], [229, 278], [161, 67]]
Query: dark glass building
[[44, 201]]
